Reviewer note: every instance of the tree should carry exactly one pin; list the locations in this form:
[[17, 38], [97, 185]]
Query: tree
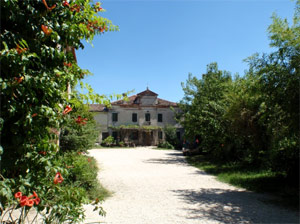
[[279, 77], [203, 108], [38, 66], [253, 119]]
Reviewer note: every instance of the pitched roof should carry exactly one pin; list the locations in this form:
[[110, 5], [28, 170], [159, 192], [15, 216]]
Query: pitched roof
[[147, 92], [130, 101], [134, 101], [165, 102], [97, 107]]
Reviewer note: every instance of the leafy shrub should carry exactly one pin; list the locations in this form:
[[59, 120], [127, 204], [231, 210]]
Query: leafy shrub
[[121, 143], [109, 141], [82, 173], [165, 145], [171, 137], [76, 136]]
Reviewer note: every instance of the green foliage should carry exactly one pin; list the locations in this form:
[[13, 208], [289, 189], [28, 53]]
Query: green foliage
[[109, 141], [203, 108], [148, 127], [253, 179], [121, 144], [252, 120], [80, 132], [171, 137], [38, 41], [165, 145], [82, 173]]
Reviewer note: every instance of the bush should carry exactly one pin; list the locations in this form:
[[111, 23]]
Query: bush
[[80, 132], [165, 145], [171, 137], [121, 144], [109, 141], [82, 173]]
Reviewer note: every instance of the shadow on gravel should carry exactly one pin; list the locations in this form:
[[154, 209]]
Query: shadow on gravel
[[229, 206], [172, 158]]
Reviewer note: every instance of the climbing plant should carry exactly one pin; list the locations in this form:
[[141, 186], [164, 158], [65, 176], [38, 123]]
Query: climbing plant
[[38, 69]]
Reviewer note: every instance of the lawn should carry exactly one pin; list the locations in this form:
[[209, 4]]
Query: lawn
[[257, 180]]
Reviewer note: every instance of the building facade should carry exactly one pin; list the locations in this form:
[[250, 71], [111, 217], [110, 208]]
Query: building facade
[[138, 121]]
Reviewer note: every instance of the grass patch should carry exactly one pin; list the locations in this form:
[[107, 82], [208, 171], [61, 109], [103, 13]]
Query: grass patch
[[96, 189], [257, 180]]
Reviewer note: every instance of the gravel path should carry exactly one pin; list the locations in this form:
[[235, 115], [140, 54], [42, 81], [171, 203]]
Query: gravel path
[[159, 187]]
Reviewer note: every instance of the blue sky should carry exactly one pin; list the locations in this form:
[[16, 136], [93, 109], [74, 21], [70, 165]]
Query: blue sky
[[161, 42]]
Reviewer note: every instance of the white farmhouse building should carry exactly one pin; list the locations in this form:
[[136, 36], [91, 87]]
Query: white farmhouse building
[[138, 121]]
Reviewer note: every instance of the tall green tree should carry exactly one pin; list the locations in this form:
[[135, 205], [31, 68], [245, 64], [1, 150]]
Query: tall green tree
[[203, 108], [252, 119], [279, 77]]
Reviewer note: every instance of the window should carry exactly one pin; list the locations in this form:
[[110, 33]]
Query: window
[[147, 117], [114, 117], [160, 135], [160, 118], [134, 117]]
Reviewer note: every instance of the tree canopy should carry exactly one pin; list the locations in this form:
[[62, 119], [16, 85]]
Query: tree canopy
[[253, 119]]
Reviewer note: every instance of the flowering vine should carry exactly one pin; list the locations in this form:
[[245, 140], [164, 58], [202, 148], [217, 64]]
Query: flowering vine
[[27, 201]]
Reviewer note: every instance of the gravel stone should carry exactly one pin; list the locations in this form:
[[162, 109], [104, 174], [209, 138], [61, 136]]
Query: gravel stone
[[159, 187]]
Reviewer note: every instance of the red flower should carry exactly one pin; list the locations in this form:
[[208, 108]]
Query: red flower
[[18, 194], [79, 120], [46, 30], [42, 153], [23, 200], [67, 110], [20, 50], [68, 64], [27, 201], [65, 3], [58, 178], [35, 194], [222, 145], [49, 8], [37, 201], [33, 115], [19, 80], [30, 202]]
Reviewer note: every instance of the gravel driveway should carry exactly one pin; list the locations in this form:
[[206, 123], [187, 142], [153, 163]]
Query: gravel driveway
[[159, 187]]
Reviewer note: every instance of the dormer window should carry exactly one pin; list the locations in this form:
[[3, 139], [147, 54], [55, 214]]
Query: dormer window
[[136, 101]]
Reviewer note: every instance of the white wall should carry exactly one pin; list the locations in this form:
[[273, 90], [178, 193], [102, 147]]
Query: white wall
[[125, 116]]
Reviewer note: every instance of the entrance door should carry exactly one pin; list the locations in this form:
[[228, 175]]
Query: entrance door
[[147, 138]]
